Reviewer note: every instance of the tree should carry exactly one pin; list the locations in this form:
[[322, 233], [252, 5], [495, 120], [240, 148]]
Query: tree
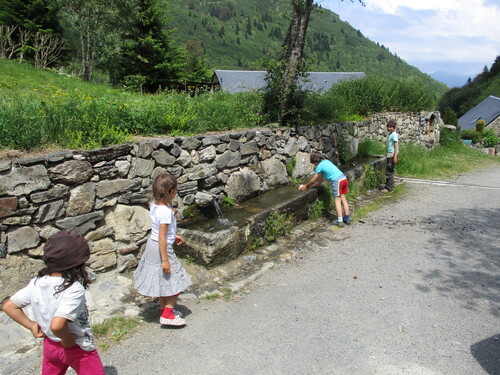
[[148, 50], [95, 23], [196, 66], [282, 89]]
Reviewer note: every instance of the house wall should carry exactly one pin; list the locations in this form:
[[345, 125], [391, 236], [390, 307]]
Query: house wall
[[103, 194], [495, 126]]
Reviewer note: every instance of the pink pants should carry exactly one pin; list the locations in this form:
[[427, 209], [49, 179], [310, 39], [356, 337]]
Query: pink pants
[[57, 359]]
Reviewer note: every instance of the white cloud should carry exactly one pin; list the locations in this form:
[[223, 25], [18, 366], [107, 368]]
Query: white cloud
[[453, 31]]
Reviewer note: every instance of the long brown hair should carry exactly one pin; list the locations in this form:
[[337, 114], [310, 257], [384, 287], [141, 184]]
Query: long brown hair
[[163, 185]]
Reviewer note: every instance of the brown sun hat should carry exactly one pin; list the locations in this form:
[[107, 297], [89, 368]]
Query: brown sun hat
[[65, 250]]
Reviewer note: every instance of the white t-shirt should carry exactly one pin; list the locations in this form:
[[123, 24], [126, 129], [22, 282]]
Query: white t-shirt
[[69, 304], [163, 215]]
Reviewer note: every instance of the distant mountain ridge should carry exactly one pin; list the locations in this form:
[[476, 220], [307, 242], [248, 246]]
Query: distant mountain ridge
[[451, 80], [237, 34]]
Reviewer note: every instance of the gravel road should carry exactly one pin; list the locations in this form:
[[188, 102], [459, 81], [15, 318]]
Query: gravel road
[[413, 289]]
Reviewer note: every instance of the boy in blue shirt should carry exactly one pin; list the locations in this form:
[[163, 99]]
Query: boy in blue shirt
[[340, 185], [392, 156]]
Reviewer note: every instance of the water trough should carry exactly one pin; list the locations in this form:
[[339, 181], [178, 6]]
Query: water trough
[[214, 241]]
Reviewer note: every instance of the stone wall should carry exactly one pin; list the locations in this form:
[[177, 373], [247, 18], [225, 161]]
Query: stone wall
[[495, 126], [103, 194]]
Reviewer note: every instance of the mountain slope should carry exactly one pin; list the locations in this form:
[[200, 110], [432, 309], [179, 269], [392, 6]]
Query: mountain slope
[[237, 34]]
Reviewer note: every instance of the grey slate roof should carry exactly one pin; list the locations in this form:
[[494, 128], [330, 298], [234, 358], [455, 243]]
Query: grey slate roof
[[246, 80], [488, 110]]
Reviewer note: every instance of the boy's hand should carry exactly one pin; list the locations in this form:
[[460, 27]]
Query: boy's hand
[[395, 159], [179, 240], [165, 266], [36, 331]]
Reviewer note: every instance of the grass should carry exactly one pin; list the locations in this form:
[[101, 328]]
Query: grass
[[441, 162], [114, 330], [44, 109]]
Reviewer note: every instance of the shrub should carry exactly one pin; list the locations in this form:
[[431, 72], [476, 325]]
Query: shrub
[[351, 100], [450, 117], [480, 126], [490, 139], [473, 135], [448, 136], [277, 225], [369, 147]]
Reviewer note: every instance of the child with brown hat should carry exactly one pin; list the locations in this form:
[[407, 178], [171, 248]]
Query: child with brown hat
[[57, 297]]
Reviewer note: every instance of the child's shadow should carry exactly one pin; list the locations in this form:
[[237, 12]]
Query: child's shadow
[[110, 370]]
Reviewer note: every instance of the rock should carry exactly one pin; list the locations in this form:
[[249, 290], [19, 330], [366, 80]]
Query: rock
[[162, 157], [16, 272], [81, 200], [22, 239], [206, 155], [243, 184], [130, 223], [249, 148], [228, 159], [141, 167], [275, 173], [7, 205], [144, 149], [80, 224], [122, 166], [49, 211], [303, 168], [45, 196], [184, 159], [110, 187], [204, 199], [190, 143], [126, 262], [201, 171], [211, 140], [73, 172], [24, 180]]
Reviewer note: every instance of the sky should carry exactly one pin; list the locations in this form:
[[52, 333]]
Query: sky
[[453, 36]]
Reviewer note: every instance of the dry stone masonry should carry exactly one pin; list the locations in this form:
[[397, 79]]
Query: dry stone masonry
[[103, 194]]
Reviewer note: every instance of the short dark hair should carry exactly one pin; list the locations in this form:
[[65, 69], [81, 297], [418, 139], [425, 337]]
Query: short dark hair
[[392, 123], [315, 158]]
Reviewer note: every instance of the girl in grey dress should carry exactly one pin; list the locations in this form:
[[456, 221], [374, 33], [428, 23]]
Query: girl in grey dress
[[159, 273]]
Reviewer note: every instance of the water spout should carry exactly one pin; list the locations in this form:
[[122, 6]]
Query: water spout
[[220, 216]]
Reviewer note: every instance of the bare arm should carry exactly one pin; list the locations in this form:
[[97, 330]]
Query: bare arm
[[17, 314], [162, 243], [311, 181], [396, 152], [59, 327]]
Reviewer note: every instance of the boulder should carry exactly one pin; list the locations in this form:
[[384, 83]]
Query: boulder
[[130, 223], [243, 184], [24, 180]]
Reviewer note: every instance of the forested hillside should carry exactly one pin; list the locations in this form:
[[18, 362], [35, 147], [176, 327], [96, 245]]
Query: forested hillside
[[457, 101], [237, 34], [150, 45]]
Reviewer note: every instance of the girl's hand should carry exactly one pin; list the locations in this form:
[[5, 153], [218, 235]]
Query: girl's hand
[[179, 240], [36, 331], [165, 266]]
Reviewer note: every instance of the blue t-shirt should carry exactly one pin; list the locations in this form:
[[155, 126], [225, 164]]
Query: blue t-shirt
[[393, 137], [328, 170]]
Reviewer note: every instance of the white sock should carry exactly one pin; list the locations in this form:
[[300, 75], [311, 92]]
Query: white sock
[[339, 219]]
